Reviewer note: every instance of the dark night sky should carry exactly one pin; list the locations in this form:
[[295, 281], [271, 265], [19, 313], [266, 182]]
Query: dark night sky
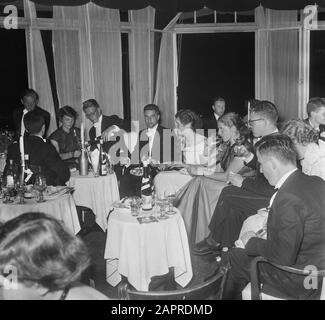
[[216, 65], [211, 65]]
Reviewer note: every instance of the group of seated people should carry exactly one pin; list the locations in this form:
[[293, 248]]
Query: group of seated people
[[237, 172]]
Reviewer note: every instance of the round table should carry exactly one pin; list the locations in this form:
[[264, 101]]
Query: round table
[[170, 182], [95, 193], [141, 251], [62, 208]]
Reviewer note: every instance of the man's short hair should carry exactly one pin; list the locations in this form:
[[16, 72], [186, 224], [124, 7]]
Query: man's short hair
[[33, 122], [279, 146], [152, 107], [267, 110], [90, 103], [29, 93], [218, 99], [314, 104]]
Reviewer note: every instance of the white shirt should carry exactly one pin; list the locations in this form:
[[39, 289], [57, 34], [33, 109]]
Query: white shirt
[[279, 185], [315, 128], [151, 135], [22, 125], [216, 116], [98, 126]]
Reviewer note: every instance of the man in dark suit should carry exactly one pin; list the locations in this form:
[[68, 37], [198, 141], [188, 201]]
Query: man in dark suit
[[151, 140], [29, 99], [218, 107], [41, 153], [316, 115], [295, 226], [245, 196], [154, 142], [106, 127]]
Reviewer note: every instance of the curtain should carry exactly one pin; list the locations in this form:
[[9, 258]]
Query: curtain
[[67, 59], [141, 63], [164, 95], [278, 60], [88, 60], [37, 69], [106, 58]]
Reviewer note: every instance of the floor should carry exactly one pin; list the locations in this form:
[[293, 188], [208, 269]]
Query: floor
[[95, 240]]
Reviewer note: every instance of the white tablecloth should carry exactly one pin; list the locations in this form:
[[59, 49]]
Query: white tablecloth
[[98, 194], [62, 208], [141, 251], [170, 181]]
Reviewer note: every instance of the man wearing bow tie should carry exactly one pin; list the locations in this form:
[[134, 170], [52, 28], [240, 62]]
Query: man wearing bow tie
[[106, 127], [29, 100], [151, 144], [41, 153], [295, 227], [151, 139]]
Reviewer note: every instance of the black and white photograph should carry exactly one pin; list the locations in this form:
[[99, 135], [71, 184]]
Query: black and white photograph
[[155, 154]]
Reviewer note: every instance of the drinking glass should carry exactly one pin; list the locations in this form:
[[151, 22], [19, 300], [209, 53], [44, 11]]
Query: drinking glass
[[20, 188], [135, 204], [6, 193], [162, 205], [170, 196], [40, 186]]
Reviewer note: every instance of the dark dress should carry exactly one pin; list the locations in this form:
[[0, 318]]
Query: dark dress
[[68, 142]]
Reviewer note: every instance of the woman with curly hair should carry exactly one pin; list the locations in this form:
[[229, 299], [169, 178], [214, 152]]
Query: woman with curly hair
[[66, 139], [41, 260], [198, 197], [193, 144], [310, 149]]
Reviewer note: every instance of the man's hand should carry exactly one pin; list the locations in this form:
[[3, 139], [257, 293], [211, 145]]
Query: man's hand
[[109, 132], [235, 179], [246, 236], [263, 211], [125, 161], [154, 162], [195, 170]]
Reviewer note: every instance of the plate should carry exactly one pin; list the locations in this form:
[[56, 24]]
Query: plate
[[138, 171]]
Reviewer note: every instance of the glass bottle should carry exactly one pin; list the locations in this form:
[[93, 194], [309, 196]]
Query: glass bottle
[[102, 160], [83, 162], [28, 172], [9, 183], [146, 191]]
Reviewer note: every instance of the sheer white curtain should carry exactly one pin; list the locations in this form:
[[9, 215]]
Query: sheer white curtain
[[106, 55], [67, 59], [278, 60], [166, 82], [37, 68], [88, 60], [141, 61]]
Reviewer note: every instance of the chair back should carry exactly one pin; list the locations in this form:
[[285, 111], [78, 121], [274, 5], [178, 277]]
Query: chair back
[[207, 290]]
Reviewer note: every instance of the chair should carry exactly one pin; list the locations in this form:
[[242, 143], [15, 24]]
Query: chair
[[202, 291], [253, 291]]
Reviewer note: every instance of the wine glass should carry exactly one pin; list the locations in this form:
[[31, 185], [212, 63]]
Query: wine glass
[[6, 193], [170, 196], [21, 189], [40, 186]]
